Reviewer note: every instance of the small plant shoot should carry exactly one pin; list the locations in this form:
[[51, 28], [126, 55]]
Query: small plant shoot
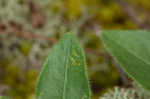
[[64, 74]]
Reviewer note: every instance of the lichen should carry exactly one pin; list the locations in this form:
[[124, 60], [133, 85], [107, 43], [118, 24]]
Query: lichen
[[135, 92]]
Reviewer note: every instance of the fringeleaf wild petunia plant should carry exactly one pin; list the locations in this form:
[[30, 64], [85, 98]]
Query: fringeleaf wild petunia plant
[[64, 74]]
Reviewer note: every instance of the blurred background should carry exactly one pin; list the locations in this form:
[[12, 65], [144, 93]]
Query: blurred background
[[30, 28]]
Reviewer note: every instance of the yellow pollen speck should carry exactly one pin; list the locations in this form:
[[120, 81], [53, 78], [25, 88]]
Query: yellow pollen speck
[[74, 53], [74, 62], [84, 97]]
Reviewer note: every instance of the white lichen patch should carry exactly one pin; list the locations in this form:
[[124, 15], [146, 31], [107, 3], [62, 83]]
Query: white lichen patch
[[135, 92]]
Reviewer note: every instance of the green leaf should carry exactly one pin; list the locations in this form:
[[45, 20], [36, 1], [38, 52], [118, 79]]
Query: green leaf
[[64, 74], [132, 51], [3, 97]]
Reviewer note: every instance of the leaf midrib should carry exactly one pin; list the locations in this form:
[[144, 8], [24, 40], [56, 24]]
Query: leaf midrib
[[66, 73]]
